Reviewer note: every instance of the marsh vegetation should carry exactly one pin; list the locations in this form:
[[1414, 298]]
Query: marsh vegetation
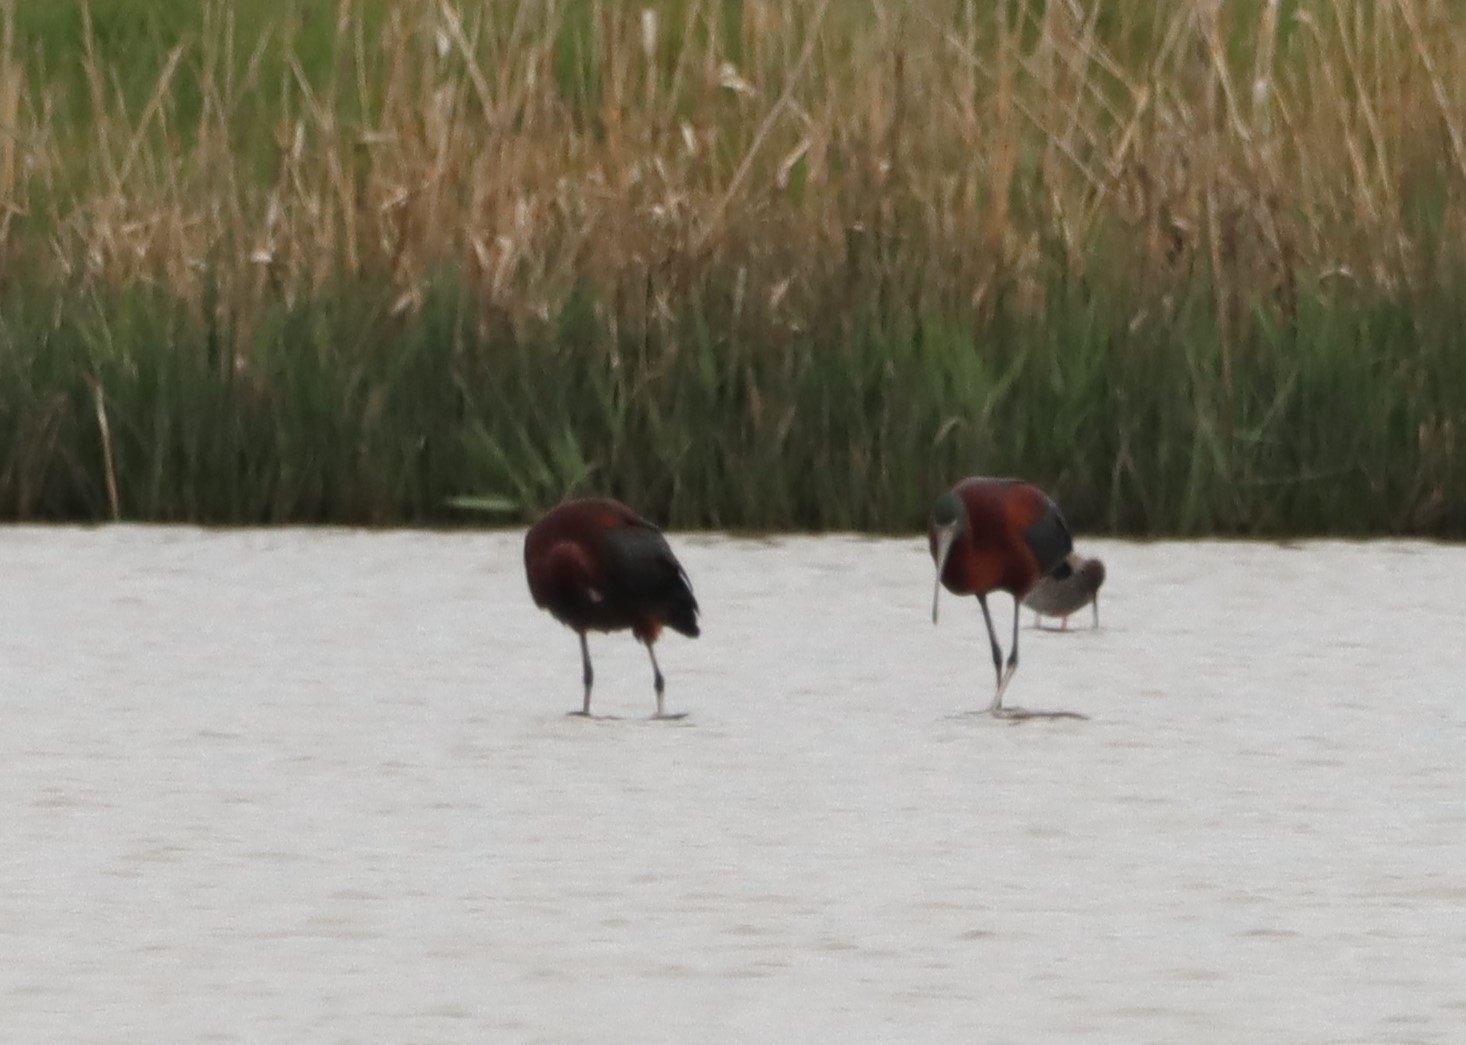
[[1194, 268]]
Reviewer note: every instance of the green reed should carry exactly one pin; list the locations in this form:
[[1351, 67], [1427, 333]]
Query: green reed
[[348, 414]]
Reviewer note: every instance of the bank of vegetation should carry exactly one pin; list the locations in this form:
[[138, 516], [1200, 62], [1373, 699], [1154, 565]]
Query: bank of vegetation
[[1196, 268]]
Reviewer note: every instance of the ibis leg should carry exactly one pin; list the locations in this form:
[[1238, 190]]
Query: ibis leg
[[1007, 676], [586, 674], [1096, 609], [657, 679], [997, 650]]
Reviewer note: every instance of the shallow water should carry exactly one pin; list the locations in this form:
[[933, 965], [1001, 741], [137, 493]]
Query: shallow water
[[319, 785]]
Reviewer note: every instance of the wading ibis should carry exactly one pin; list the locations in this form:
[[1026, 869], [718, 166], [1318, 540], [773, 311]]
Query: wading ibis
[[990, 535], [598, 566]]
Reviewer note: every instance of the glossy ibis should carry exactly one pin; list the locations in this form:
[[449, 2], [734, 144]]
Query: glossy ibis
[[990, 535], [598, 566]]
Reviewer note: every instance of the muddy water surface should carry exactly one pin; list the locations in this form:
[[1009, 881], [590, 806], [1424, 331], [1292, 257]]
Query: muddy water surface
[[319, 785]]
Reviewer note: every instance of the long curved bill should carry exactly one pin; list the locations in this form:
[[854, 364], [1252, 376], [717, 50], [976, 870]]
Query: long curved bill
[[944, 548]]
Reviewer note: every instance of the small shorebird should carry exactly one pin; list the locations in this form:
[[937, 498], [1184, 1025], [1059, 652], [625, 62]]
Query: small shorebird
[[1056, 597]]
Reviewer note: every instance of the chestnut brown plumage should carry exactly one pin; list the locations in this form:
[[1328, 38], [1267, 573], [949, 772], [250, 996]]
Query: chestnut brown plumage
[[990, 535], [596, 565]]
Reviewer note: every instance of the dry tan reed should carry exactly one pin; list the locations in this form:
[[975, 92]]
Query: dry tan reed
[[540, 146]]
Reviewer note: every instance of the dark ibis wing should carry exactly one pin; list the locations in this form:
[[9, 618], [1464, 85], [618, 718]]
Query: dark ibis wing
[[642, 570], [1049, 539]]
